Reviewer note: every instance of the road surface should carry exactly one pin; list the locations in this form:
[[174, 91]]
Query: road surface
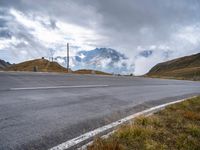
[[42, 110]]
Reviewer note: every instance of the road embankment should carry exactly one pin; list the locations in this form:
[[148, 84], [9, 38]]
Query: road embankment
[[175, 127]]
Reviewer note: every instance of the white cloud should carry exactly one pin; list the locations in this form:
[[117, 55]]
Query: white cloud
[[7, 43], [144, 64], [81, 37]]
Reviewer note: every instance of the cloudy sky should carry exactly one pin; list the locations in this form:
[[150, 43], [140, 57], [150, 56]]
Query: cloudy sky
[[30, 28]]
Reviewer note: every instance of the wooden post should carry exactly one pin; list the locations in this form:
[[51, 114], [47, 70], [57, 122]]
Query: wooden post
[[68, 57]]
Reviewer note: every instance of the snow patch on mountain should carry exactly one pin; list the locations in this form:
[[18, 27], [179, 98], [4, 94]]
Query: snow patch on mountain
[[103, 59]]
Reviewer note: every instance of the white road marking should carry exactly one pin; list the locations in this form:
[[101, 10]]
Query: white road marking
[[57, 87], [97, 131]]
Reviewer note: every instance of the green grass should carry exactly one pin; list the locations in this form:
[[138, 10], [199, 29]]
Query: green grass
[[175, 127]]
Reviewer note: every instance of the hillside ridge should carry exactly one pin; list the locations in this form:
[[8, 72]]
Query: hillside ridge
[[187, 67], [39, 65], [44, 65]]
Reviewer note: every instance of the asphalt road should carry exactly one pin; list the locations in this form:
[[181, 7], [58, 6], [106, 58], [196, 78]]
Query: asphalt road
[[67, 106]]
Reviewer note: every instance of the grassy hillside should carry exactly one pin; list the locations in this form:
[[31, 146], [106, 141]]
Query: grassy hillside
[[42, 65], [87, 71], [175, 128], [182, 68]]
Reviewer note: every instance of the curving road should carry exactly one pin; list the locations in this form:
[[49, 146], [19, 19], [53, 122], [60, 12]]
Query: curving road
[[42, 110]]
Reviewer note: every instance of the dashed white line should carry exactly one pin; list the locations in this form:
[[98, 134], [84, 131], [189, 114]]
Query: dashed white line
[[91, 134], [57, 87]]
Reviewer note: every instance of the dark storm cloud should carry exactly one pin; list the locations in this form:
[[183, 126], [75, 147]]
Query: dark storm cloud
[[2, 23], [4, 19], [5, 34], [146, 21], [136, 21], [53, 24], [67, 10], [4, 30]]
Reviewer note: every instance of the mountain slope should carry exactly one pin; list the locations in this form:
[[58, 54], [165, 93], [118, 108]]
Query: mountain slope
[[87, 71], [104, 59], [187, 67], [4, 64], [42, 65]]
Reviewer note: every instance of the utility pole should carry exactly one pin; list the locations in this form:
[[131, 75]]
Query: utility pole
[[67, 57]]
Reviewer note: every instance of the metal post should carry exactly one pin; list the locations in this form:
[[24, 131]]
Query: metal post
[[68, 57]]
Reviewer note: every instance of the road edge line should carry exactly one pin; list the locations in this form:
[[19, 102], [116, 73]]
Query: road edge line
[[57, 87], [75, 141]]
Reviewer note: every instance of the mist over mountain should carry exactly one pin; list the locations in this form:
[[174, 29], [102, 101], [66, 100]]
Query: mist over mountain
[[104, 59]]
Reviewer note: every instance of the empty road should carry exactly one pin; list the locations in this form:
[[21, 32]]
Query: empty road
[[42, 110]]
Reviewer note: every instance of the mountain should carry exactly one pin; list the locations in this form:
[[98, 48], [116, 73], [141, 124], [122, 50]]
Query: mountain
[[4, 64], [40, 65], [103, 59], [187, 67]]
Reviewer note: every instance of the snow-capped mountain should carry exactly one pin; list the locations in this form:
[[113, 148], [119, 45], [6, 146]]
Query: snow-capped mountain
[[104, 59]]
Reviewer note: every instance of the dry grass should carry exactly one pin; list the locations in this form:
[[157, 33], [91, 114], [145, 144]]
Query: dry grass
[[176, 127], [42, 65], [182, 74], [88, 71], [187, 68]]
